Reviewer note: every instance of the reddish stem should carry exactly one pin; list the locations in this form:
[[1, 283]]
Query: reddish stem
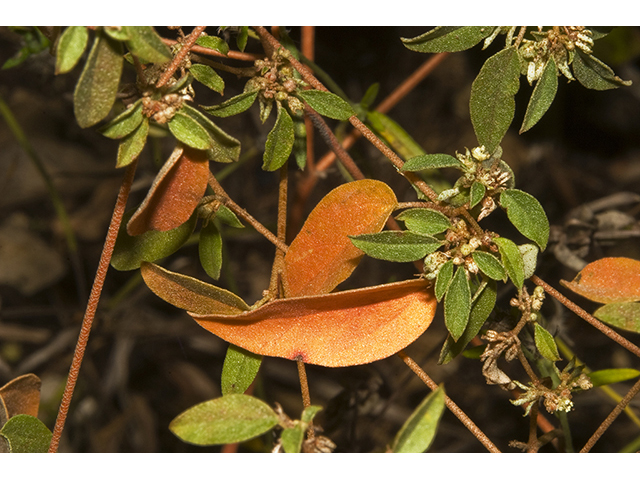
[[92, 304], [188, 43]]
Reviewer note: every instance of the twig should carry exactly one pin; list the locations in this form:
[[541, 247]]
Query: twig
[[612, 334], [92, 304], [188, 43], [457, 411], [612, 416], [235, 55], [237, 209]]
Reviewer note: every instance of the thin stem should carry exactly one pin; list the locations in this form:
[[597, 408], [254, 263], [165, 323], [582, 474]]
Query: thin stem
[[613, 335], [238, 210], [235, 55], [278, 262], [333, 143], [240, 72], [612, 416], [188, 43], [532, 444], [457, 411], [92, 304]]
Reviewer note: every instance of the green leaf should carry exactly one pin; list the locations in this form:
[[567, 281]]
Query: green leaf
[[418, 432], [239, 370], [189, 131], [130, 252], [98, 85], [225, 215], [527, 215], [620, 315], [512, 260], [279, 141], [489, 265], [492, 103], [542, 96], [436, 160], [529, 254], [223, 148], [125, 123], [327, 104], [292, 437], [208, 77], [33, 42], [26, 434], [396, 246], [476, 194], [215, 43], [482, 308], [612, 375], [443, 280], [229, 419], [70, 48], [447, 39], [210, 250], [241, 39], [424, 221], [545, 344], [300, 142], [233, 106], [457, 304], [594, 74], [131, 146], [146, 44]]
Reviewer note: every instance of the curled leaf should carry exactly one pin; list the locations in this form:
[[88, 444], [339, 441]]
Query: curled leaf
[[175, 192], [608, 280], [21, 396], [335, 330], [322, 256]]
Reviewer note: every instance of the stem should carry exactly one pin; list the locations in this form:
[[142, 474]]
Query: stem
[[613, 335], [188, 43], [457, 411], [235, 55], [238, 210], [92, 304], [278, 262], [612, 416]]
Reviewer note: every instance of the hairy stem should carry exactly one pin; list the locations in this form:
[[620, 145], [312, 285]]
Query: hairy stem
[[457, 411], [92, 304], [188, 43]]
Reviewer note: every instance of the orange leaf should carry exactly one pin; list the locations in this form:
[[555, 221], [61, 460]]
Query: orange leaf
[[322, 255], [21, 396], [335, 330], [175, 192], [609, 280]]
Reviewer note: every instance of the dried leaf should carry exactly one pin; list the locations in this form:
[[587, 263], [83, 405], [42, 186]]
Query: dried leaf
[[322, 256], [22, 395], [608, 280], [175, 192], [335, 330]]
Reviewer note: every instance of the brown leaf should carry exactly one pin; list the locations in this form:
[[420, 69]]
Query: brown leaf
[[609, 280], [21, 396], [322, 255], [175, 192], [335, 330]]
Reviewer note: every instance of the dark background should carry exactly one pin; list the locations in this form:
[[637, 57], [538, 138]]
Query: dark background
[[147, 361]]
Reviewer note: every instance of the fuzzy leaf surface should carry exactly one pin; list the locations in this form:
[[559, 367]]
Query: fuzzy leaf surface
[[190, 293], [97, 87], [489, 265], [542, 96], [620, 315], [125, 123], [71, 45], [435, 160], [396, 246], [215, 43], [322, 256], [594, 74], [492, 105], [443, 279], [239, 370], [26, 434], [208, 77], [21, 396], [229, 419], [146, 44], [188, 130], [210, 250], [279, 141], [447, 39], [545, 344], [327, 104], [608, 280], [130, 252], [457, 304], [131, 146], [512, 260], [341, 329], [233, 106], [178, 187], [424, 221], [527, 215], [418, 432]]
